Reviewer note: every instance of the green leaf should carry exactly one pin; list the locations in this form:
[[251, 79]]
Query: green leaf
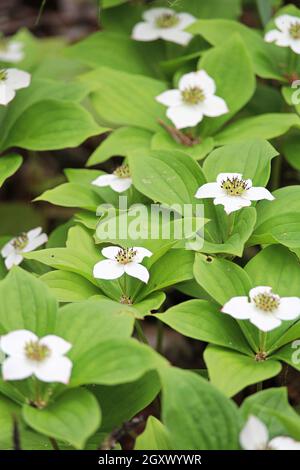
[[251, 158], [121, 361], [72, 195], [121, 142], [131, 399], [154, 436], [73, 417], [291, 150], [9, 164], [216, 8], [200, 319], [235, 82], [162, 140], [121, 98], [188, 404], [231, 372], [8, 411], [26, 303], [53, 125], [166, 176], [266, 126], [69, 287], [109, 49]]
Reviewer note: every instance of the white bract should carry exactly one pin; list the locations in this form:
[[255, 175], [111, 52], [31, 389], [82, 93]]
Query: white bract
[[255, 436], [28, 355], [233, 192], [194, 98], [10, 81], [121, 261], [119, 181], [11, 51], [265, 309], [13, 251], [287, 34], [164, 23]]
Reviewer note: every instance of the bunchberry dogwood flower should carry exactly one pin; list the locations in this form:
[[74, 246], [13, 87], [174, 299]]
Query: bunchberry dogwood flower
[[121, 261], [11, 51], [119, 181], [265, 309], [29, 355], [10, 81], [164, 23], [13, 251], [194, 98], [233, 192], [255, 436], [287, 34]]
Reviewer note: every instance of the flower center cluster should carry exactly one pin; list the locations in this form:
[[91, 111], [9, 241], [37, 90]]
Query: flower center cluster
[[267, 301], [125, 255], [3, 75], [36, 351], [193, 95], [234, 186], [125, 300], [20, 242], [295, 31], [167, 20], [122, 171]]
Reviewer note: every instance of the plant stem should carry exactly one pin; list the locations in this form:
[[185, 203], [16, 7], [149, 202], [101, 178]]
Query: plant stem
[[140, 332], [276, 173], [262, 341], [54, 443], [160, 336]]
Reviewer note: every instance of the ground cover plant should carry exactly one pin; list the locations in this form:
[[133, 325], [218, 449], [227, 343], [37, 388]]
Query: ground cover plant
[[150, 234]]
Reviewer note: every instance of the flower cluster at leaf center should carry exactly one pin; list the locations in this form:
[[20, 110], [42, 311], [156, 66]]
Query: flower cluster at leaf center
[[193, 95], [125, 255], [267, 301], [122, 171], [36, 351], [295, 30], [167, 20], [234, 186]]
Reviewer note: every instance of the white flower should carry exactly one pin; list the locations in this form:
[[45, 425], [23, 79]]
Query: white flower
[[121, 261], [119, 181], [14, 249], [164, 23], [255, 436], [28, 355], [11, 51], [194, 98], [287, 34], [10, 81], [233, 192], [265, 309]]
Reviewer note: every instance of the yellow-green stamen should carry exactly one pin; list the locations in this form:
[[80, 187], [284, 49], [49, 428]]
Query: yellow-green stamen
[[295, 30], [267, 301], [122, 171], [125, 255], [3, 75], [36, 351], [234, 186], [167, 20], [193, 95], [20, 242]]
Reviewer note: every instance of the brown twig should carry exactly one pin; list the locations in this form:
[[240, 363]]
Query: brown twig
[[179, 136]]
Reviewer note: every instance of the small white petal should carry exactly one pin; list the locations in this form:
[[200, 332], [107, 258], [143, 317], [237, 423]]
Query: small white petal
[[16, 368], [153, 13], [265, 321], [257, 193], [108, 269], [104, 180], [121, 184], [170, 98], [289, 308], [54, 369], [259, 290], [141, 253], [254, 435], [13, 259], [34, 243], [232, 203], [280, 39], [7, 249], [7, 94], [214, 106], [35, 232], [111, 252], [209, 190], [137, 270], [175, 35], [295, 46], [238, 307], [224, 176], [199, 79], [17, 79], [184, 116], [144, 32], [185, 19], [284, 443], [284, 22], [56, 344], [13, 343]]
